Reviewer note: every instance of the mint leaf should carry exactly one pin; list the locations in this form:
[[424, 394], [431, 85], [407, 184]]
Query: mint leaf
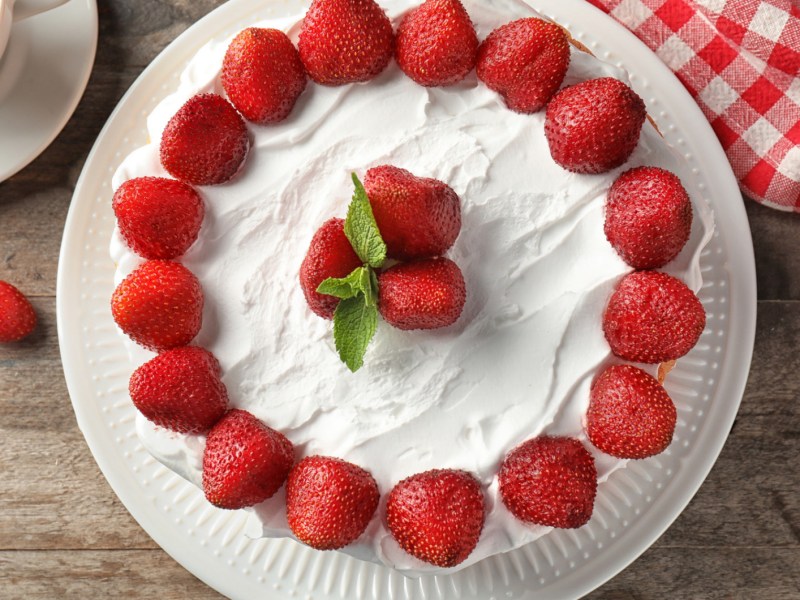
[[348, 287], [362, 230], [361, 281], [370, 287], [354, 324], [373, 280]]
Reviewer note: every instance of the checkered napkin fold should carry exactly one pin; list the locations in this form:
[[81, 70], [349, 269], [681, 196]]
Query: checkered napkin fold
[[740, 60]]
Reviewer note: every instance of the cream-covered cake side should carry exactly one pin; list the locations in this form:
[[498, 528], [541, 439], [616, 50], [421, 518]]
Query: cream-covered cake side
[[538, 269]]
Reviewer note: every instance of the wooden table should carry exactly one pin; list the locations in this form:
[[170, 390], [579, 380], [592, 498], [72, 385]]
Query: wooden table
[[64, 534]]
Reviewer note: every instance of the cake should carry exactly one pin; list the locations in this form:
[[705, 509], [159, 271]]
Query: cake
[[539, 271]]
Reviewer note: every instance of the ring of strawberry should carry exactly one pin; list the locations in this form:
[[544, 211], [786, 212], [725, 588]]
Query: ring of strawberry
[[262, 74], [549, 481], [594, 126], [345, 41], [525, 61], [180, 390], [329, 502], [436, 43], [437, 516], [159, 305], [630, 414], [205, 142], [652, 318], [158, 218], [648, 217], [339, 274], [244, 461]]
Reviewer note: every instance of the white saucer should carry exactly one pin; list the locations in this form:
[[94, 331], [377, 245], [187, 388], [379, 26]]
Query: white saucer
[[43, 74]]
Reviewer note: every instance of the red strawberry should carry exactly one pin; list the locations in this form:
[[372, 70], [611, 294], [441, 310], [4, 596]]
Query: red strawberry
[[653, 317], [263, 75], [159, 305], [205, 142], [245, 462], [329, 502], [181, 390], [525, 61], [594, 126], [630, 415], [436, 43], [17, 318], [648, 217], [425, 294], [158, 218], [417, 217], [549, 481], [437, 516], [345, 41], [329, 255]]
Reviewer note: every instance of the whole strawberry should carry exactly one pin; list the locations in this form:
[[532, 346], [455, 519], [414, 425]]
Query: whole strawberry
[[437, 516], [525, 61], [549, 481], [594, 126], [159, 305], [17, 317], [418, 217], [345, 41], [329, 255], [653, 317], [245, 462], [180, 390], [263, 75], [425, 294], [205, 142], [630, 414], [329, 502], [158, 218], [648, 217], [436, 43]]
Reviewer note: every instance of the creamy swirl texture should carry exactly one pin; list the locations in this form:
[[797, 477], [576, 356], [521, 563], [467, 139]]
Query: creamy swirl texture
[[538, 269]]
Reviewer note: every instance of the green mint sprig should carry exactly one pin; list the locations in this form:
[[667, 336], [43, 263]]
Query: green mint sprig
[[354, 325], [358, 282], [362, 230], [356, 316]]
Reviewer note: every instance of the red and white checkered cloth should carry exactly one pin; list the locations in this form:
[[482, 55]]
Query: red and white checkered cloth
[[740, 60]]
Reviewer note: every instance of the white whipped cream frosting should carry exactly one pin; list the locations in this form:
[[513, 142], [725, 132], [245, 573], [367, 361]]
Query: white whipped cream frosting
[[537, 265]]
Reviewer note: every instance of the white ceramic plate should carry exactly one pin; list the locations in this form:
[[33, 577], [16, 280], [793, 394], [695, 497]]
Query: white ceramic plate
[[43, 75], [633, 508]]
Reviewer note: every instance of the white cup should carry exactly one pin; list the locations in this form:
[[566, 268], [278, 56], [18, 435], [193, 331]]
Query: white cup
[[12, 11]]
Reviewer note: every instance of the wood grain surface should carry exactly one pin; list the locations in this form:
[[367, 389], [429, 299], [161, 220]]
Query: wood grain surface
[[64, 534]]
